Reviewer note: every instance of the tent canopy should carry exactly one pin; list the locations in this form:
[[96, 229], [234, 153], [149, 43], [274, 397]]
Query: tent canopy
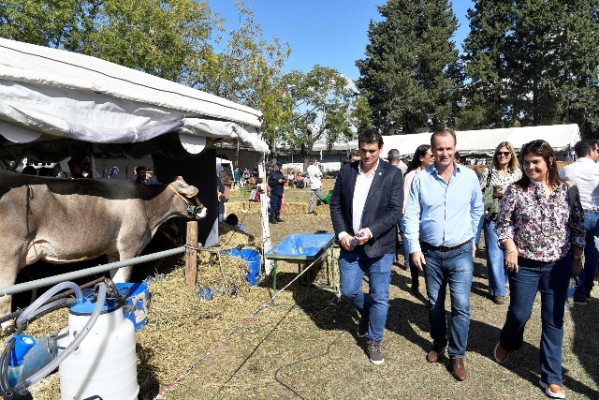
[[484, 141], [49, 95]]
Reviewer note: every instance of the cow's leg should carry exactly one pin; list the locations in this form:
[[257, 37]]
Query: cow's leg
[[120, 275], [8, 277]]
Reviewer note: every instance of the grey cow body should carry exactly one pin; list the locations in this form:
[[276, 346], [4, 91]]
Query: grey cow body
[[64, 220]]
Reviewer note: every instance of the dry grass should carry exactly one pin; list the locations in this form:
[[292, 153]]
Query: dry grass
[[304, 346]]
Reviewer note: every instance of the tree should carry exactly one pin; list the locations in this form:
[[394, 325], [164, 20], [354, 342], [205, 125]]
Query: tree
[[162, 38], [533, 63], [408, 73], [323, 108]]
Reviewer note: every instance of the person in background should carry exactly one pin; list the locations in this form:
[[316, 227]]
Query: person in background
[[237, 178], [423, 157], [315, 176], [299, 181], [354, 155], [394, 158], [496, 179], [76, 169], [457, 157], [441, 226], [233, 220], [151, 179], [223, 185], [365, 209], [140, 175], [276, 183], [540, 228], [30, 170], [290, 178], [584, 173]]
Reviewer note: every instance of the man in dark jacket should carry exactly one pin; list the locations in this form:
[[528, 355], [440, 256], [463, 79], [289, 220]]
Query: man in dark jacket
[[365, 209], [276, 182]]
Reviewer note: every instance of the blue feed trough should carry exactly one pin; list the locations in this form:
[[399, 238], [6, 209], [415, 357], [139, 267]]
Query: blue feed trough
[[300, 248]]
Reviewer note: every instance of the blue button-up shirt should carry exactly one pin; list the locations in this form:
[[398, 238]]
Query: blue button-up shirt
[[440, 213]]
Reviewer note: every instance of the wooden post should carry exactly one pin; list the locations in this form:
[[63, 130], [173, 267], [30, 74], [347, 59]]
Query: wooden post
[[191, 255]]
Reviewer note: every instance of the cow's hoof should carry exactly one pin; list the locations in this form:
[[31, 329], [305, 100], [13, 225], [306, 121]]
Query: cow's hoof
[[7, 328]]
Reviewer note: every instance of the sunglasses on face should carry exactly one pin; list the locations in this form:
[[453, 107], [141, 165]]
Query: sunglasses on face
[[503, 153]]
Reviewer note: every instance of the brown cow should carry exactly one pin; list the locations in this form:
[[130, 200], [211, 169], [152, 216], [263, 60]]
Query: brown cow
[[64, 220]]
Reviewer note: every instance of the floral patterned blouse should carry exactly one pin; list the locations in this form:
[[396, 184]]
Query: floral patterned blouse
[[542, 228], [497, 179]]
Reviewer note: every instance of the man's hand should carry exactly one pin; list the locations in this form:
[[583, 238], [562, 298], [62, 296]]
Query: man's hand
[[418, 260], [362, 236]]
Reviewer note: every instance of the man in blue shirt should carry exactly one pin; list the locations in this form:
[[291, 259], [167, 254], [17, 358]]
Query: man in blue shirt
[[440, 223]]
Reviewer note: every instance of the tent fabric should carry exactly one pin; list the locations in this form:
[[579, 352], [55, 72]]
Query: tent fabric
[[484, 141], [49, 93]]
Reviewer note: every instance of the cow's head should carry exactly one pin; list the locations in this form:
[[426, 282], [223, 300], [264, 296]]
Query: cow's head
[[188, 193]]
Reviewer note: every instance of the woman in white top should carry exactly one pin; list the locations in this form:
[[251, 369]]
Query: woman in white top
[[505, 170], [423, 157]]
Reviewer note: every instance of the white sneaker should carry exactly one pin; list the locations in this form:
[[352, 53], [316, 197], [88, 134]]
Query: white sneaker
[[550, 393]]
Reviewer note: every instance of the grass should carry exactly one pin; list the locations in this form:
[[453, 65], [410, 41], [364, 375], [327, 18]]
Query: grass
[[304, 345]]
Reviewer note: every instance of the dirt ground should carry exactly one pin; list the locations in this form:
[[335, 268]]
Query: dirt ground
[[304, 346]]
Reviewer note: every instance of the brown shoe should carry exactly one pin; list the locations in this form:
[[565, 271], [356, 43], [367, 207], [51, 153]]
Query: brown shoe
[[459, 371], [500, 353], [435, 353], [499, 299]]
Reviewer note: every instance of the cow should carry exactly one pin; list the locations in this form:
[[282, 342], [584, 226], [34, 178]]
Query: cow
[[65, 220]]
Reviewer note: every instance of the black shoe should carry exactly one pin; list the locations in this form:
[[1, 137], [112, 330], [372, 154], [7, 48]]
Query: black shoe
[[375, 353], [272, 220], [279, 219], [580, 300]]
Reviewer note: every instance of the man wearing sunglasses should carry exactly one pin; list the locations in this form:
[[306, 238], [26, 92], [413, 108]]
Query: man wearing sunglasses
[[584, 173]]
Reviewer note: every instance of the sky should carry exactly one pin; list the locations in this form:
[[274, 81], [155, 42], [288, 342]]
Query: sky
[[331, 33]]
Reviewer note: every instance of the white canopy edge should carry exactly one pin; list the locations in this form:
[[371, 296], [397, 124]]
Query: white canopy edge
[[560, 137], [69, 95], [476, 141]]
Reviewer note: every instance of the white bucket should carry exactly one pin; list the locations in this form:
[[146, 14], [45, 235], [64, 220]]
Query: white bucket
[[105, 363]]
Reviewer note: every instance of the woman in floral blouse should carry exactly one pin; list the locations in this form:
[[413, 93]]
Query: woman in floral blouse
[[505, 171], [540, 228]]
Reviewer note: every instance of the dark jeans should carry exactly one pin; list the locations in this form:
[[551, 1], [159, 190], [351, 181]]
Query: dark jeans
[[275, 206], [585, 279], [551, 279]]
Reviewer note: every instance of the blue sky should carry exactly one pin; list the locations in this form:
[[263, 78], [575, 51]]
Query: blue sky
[[332, 33]]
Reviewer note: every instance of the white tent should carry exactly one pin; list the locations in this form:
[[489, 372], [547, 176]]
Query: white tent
[[561, 138], [49, 94]]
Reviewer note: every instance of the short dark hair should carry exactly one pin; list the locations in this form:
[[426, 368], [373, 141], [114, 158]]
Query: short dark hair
[[140, 168], [232, 219], [370, 136], [582, 147]]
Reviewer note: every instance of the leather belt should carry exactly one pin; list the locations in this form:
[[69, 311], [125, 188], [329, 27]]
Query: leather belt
[[444, 249]]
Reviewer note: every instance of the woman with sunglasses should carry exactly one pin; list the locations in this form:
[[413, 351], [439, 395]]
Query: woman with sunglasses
[[505, 171], [423, 157], [540, 227]]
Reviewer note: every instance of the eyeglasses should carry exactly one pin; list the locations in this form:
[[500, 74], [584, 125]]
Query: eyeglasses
[[503, 153]]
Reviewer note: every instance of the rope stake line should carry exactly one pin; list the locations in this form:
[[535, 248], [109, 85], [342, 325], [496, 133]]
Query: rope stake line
[[222, 341]]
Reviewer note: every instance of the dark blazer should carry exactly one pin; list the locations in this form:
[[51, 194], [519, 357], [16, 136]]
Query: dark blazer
[[382, 210]]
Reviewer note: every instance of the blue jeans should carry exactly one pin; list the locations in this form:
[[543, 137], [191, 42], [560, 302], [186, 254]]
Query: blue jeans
[[584, 281], [373, 307], [551, 279], [454, 267], [495, 261]]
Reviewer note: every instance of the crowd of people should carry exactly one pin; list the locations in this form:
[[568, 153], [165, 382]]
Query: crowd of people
[[539, 226]]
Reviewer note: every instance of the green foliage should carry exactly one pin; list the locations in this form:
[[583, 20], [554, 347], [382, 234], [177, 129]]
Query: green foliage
[[532, 62], [162, 38], [409, 70]]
